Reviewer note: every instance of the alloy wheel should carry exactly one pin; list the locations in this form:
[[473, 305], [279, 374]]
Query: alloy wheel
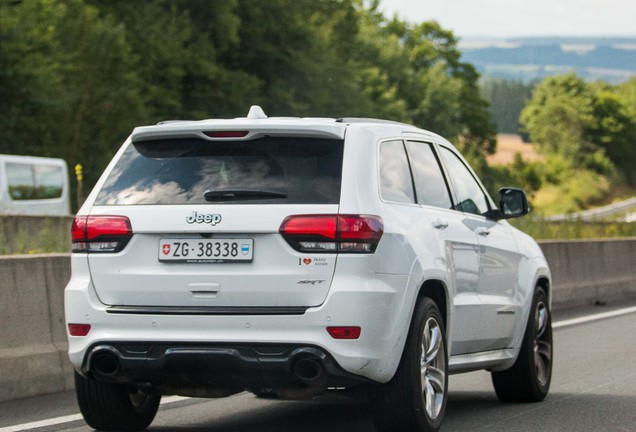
[[433, 368]]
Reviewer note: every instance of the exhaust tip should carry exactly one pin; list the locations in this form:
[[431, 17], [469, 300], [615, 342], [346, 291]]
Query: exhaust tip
[[308, 369], [105, 364]]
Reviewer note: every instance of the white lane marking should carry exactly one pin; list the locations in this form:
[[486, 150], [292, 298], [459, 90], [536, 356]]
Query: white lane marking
[[42, 423], [173, 399], [72, 418], [590, 318]]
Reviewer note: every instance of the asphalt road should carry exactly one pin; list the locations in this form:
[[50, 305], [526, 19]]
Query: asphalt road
[[593, 389]]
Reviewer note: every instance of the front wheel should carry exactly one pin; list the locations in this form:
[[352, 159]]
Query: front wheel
[[115, 407], [528, 380], [415, 398]]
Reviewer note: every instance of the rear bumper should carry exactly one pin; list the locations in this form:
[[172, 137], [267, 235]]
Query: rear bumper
[[206, 369], [374, 304]]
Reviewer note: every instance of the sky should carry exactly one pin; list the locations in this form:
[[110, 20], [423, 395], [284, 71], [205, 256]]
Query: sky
[[509, 18]]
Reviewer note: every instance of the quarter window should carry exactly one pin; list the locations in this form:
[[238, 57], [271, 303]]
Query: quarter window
[[396, 184], [430, 184], [470, 197]]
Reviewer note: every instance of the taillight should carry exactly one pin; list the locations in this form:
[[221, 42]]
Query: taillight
[[332, 233], [100, 234]]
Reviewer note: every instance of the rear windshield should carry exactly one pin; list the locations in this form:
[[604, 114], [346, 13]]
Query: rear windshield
[[271, 170]]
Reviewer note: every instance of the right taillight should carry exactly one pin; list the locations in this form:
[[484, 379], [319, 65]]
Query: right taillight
[[100, 234], [333, 233]]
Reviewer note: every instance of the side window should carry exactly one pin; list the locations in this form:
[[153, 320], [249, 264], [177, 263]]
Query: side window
[[471, 198], [20, 181], [396, 184], [430, 184], [31, 182], [49, 181]]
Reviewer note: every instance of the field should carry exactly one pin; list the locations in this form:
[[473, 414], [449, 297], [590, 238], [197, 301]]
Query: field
[[507, 146]]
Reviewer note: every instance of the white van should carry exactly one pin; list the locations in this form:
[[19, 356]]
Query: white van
[[34, 186]]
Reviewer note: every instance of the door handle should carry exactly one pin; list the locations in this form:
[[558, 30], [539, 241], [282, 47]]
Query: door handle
[[440, 224], [482, 231]]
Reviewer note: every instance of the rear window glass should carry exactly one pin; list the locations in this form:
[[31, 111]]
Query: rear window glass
[[195, 171]]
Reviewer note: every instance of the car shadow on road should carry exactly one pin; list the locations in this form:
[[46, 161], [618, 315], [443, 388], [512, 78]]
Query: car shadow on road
[[285, 416]]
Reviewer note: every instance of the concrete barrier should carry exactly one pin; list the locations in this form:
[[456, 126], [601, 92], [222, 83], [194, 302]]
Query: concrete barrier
[[588, 272], [33, 345]]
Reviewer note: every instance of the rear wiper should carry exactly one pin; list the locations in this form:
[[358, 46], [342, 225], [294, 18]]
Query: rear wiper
[[240, 194]]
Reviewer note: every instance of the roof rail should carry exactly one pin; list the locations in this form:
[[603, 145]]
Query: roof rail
[[369, 120]]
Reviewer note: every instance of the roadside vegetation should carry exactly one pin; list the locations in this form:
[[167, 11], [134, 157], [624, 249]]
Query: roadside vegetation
[[76, 76], [585, 134], [542, 229]]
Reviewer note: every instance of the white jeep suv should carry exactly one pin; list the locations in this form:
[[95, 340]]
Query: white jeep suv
[[293, 256]]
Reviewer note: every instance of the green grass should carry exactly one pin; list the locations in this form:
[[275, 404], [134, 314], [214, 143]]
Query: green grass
[[34, 235]]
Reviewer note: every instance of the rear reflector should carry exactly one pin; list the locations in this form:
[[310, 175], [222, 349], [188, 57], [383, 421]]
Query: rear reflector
[[344, 332], [79, 329], [100, 234], [332, 233], [226, 134]]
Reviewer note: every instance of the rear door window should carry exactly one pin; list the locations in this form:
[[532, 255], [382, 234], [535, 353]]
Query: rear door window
[[273, 170], [430, 184]]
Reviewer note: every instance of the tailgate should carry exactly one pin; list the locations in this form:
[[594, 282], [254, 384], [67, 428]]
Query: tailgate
[[241, 261]]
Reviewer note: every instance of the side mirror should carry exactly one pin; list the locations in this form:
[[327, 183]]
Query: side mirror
[[512, 203]]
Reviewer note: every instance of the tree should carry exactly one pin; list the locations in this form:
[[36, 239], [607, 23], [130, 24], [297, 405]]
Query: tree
[[68, 77], [77, 75], [506, 99], [589, 124], [420, 70]]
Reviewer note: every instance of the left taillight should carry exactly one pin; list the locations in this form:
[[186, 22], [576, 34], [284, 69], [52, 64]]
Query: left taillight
[[100, 234]]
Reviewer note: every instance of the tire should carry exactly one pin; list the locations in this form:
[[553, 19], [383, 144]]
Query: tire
[[415, 398], [114, 407], [528, 380]]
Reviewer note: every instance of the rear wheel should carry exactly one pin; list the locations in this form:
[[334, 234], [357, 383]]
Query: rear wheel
[[415, 398], [115, 407], [528, 380]]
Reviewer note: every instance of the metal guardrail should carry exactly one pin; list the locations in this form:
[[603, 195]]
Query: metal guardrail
[[599, 213]]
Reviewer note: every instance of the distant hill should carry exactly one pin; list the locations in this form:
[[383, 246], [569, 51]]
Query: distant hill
[[526, 59]]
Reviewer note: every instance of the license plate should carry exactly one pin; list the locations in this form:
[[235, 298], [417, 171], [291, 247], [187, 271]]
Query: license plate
[[188, 250]]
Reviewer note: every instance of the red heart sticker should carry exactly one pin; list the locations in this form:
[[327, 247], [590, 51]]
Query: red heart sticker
[[307, 261]]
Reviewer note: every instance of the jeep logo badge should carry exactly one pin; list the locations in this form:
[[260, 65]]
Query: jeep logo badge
[[211, 219]]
